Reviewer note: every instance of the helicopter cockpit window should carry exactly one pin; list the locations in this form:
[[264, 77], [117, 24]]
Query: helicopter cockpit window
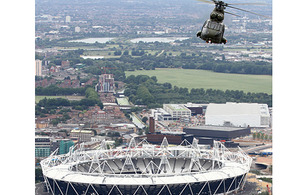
[[214, 25]]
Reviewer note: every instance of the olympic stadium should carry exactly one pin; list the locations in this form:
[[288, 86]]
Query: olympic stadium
[[143, 168]]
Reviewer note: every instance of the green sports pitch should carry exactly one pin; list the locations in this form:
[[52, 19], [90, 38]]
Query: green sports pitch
[[191, 78]]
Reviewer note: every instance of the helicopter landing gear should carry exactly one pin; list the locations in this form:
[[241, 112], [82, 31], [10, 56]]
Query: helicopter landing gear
[[224, 40]]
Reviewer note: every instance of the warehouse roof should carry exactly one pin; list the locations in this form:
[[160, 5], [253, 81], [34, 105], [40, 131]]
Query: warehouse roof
[[237, 109], [215, 128]]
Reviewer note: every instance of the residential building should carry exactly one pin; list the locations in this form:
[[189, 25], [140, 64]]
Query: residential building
[[42, 146], [38, 67], [45, 83], [70, 83], [106, 83], [82, 135], [65, 63], [65, 145]]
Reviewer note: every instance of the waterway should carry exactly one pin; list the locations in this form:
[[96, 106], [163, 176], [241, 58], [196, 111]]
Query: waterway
[[92, 57], [159, 39], [93, 40]]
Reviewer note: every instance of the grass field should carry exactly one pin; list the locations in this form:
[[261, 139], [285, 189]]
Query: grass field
[[123, 101], [207, 79], [38, 98]]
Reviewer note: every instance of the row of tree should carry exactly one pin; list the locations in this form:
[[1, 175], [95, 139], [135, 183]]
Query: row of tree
[[261, 136], [203, 62], [50, 105], [55, 90], [256, 67], [147, 61], [145, 90]]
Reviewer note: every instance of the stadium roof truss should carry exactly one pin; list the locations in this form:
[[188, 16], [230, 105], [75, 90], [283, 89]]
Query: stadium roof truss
[[142, 164]]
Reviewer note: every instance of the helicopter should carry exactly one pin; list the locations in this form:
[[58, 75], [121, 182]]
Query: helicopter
[[213, 29]]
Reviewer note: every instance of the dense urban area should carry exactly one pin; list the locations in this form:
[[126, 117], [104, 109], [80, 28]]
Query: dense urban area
[[88, 90]]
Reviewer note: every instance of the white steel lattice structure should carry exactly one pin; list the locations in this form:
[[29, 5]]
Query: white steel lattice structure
[[147, 169]]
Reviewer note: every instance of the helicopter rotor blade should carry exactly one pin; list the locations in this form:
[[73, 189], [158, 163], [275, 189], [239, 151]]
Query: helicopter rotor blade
[[232, 14], [208, 1], [248, 11], [246, 4]]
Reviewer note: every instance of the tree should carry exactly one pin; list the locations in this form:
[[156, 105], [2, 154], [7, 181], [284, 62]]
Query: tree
[[125, 53], [130, 79], [118, 142], [167, 85], [154, 79], [144, 94], [142, 78], [258, 135], [117, 53], [145, 119]]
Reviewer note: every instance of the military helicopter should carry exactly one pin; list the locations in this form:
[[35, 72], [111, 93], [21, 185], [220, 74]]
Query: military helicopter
[[213, 29]]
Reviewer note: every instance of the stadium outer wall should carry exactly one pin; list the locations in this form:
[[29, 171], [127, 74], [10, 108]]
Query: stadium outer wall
[[147, 169]]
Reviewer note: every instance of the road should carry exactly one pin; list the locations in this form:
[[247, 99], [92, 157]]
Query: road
[[257, 148], [160, 53]]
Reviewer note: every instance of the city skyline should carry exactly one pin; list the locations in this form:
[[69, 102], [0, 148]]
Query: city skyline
[[282, 48]]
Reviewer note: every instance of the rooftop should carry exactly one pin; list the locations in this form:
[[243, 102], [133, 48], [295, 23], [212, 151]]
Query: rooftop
[[216, 128], [237, 109], [81, 131], [176, 107]]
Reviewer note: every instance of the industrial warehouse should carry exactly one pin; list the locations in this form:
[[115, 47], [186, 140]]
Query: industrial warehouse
[[217, 132], [238, 115], [222, 121]]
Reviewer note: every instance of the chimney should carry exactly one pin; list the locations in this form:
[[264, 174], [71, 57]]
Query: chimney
[[151, 125]]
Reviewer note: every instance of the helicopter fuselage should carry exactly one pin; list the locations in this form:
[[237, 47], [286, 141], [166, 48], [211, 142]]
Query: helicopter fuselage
[[217, 15], [213, 28], [212, 32]]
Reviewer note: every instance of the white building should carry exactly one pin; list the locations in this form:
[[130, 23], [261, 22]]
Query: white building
[[68, 19], [77, 29], [38, 67], [177, 110], [171, 112], [82, 135], [238, 114]]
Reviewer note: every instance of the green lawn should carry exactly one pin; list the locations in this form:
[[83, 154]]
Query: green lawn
[[123, 101], [207, 79]]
